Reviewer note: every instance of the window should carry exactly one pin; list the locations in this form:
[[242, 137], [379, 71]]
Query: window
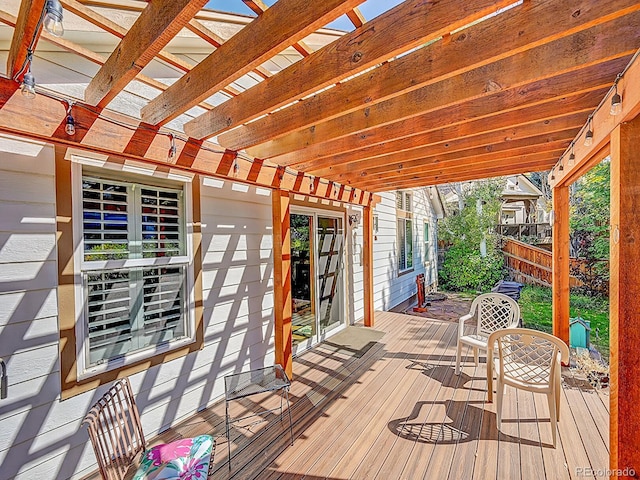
[[405, 244], [404, 201], [134, 270], [405, 230], [426, 241]]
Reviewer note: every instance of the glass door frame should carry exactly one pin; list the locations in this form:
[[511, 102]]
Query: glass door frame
[[315, 258]]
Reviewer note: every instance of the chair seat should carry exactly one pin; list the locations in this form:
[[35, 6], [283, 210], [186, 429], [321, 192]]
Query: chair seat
[[475, 340], [186, 459]]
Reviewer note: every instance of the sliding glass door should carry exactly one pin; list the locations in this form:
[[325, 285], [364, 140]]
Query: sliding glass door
[[317, 288]]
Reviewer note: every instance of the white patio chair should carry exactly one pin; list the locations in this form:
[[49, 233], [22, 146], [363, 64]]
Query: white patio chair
[[116, 434], [529, 360], [494, 311]]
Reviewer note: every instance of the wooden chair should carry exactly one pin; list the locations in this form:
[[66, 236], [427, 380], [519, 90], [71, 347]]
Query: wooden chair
[[116, 434], [494, 311], [529, 360]]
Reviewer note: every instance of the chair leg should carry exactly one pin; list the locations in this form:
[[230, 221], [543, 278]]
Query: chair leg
[[552, 415], [458, 355], [558, 392], [226, 416], [499, 395], [475, 355], [290, 419]]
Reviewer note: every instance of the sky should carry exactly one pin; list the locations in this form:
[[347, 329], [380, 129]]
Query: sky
[[370, 9]]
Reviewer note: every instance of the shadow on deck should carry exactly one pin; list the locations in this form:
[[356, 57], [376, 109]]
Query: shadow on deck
[[393, 408]]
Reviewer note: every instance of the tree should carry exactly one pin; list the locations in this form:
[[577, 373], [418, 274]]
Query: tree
[[589, 220], [466, 265]]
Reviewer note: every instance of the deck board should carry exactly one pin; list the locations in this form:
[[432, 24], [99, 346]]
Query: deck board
[[397, 410]]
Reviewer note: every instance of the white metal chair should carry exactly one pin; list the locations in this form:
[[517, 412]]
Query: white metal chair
[[529, 360], [494, 311], [116, 434]]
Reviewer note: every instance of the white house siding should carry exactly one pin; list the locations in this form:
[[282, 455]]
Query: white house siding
[[41, 436], [391, 288]]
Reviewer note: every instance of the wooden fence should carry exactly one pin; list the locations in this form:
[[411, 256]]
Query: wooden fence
[[533, 266]]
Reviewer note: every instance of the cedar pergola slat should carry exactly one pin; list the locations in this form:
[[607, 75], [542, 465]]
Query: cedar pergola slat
[[518, 29], [509, 166], [278, 27], [526, 132], [611, 40], [413, 24], [444, 163], [27, 26], [158, 23], [547, 98]]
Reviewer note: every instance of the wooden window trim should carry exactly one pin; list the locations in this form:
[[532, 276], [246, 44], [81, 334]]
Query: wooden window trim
[[71, 385]]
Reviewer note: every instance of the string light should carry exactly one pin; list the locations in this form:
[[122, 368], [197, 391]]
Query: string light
[[53, 18], [236, 168], [561, 167], [588, 137], [70, 126], [172, 146], [312, 184], [616, 99], [572, 157], [28, 87]]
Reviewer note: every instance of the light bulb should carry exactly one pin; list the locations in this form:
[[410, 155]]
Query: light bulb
[[588, 138], [53, 18], [70, 127], [572, 159], [28, 88], [616, 104]]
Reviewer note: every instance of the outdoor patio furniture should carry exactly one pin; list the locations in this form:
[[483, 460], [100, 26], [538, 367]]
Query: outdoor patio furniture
[[494, 311], [116, 434], [529, 360], [254, 382]]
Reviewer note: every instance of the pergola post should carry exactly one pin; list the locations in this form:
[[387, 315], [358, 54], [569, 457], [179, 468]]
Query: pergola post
[[282, 280], [560, 251], [624, 294], [367, 265]]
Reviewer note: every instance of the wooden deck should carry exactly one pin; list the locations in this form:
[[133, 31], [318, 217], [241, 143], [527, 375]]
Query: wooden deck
[[396, 410]]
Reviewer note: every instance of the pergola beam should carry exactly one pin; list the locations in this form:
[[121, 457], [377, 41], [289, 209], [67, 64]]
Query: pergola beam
[[127, 138], [488, 162], [510, 166], [287, 22], [158, 23], [27, 30], [603, 123], [519, 28], [611, 40], [546, 98], [470, 158], [413, 24], [525, 134]]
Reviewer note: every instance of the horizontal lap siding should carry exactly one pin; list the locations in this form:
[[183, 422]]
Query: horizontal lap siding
[[390, 288], [41, 437]]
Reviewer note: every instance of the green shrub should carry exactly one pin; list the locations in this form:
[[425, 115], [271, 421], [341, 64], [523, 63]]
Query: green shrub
[[465, 269]]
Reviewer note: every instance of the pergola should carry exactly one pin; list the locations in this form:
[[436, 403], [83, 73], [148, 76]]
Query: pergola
[[429, 92]]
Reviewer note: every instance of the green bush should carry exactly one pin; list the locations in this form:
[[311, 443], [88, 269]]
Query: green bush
[[465, 269]]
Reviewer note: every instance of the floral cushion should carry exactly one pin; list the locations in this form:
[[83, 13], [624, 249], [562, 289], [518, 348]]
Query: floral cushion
[[186, 459]]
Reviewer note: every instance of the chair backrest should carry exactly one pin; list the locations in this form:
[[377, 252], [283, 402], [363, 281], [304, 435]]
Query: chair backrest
[[529, 356], [494, 312], [115, 430]]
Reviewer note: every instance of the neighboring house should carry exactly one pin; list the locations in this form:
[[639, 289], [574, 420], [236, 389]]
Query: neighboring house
[[523, 202], [524, 211]]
